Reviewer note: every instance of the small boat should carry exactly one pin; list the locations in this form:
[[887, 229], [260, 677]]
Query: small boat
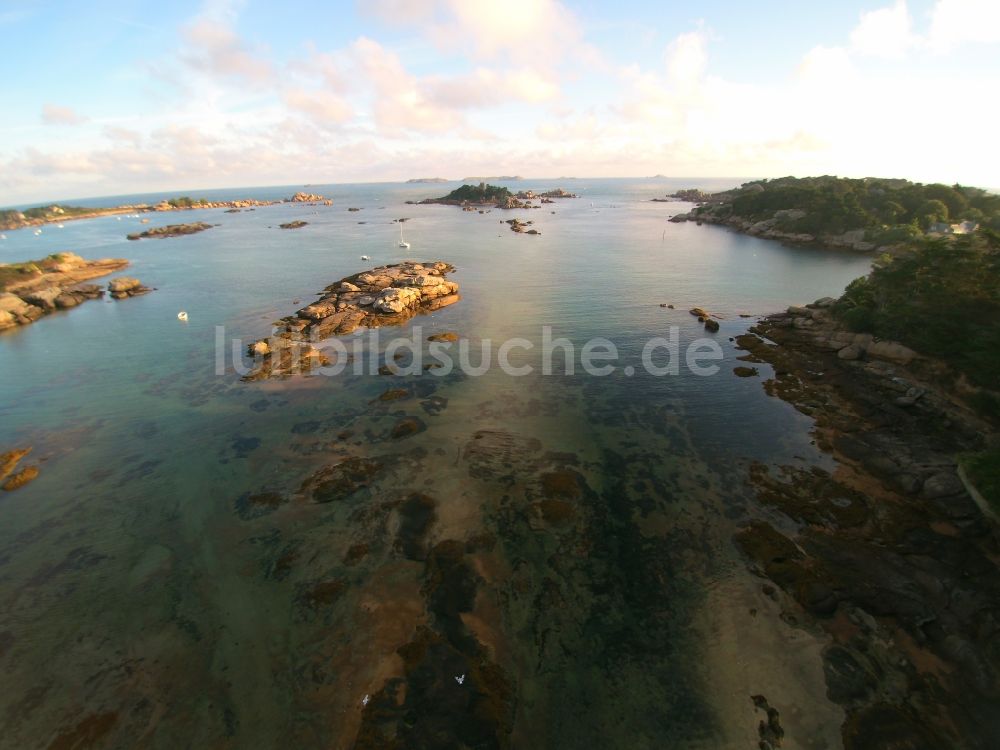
[[182, 316], [3, 236], [365, 257], [402, 242], [38, 232], [60, 226]]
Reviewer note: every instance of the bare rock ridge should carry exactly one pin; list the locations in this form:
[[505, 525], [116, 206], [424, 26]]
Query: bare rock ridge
[[383, 296]]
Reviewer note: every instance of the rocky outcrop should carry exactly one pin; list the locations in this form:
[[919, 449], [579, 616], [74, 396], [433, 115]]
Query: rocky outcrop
[[301, 197], [126, 286], [888, 552], [298, 224], [387, 295], [38, 288], [818, 319], [521, 227], [171, 230]]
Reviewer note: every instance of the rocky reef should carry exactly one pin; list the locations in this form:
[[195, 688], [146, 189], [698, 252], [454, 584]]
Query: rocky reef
[[386, 295], [171, 230], [29, 291], [297, 224], [888, 552]]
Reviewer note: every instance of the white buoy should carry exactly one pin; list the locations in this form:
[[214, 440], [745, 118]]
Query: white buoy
[[38, 232], [3, 236], [182, 316]]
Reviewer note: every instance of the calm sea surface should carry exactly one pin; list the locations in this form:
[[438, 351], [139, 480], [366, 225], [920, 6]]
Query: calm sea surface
[[562, 541]]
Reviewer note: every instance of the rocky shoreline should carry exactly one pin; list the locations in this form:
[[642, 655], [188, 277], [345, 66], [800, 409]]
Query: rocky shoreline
[[13, 220], [888, 553], [382, 296], [57, 284], [851, 240]]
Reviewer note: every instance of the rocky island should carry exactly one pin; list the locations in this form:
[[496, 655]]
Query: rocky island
[[31, 290], [864, 215], [471, 196], [427, 180], [171, 230], [383, 296]]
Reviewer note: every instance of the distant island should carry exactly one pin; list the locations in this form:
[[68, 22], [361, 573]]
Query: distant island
[[470, 196], [426, 179], [867, 214], [497, 178]]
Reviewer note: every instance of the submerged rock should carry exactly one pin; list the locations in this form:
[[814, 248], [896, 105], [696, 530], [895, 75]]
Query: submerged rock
[[407, 427], [342, 480], [21, 478], [10, 460], [297, 224]]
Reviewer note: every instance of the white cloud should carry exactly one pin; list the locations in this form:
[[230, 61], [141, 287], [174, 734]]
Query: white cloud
[[956, 22], [509, 101], [324, 107], [886, 32], [687, 58], [485, 29], [53, 114], [214, 47], [828, 69]]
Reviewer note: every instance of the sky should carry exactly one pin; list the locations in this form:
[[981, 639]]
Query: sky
[[114, 97]]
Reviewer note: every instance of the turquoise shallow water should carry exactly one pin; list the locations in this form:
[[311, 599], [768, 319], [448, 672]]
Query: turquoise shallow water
[[596, 593]]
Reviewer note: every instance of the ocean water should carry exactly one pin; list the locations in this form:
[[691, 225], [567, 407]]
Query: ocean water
[[562, 541]]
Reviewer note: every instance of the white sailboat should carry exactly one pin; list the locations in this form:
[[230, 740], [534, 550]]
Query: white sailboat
[[402, 242]]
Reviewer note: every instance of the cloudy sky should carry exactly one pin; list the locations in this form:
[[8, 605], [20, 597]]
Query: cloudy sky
[[112, 97]]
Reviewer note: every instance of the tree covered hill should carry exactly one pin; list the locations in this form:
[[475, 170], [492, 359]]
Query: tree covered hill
[[481, 193], [889, 210], [942, 298]]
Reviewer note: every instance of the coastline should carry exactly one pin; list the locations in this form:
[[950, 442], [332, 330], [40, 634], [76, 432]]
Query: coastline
[[59, 285], [888, 553], [139, 208], [853, 240]]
